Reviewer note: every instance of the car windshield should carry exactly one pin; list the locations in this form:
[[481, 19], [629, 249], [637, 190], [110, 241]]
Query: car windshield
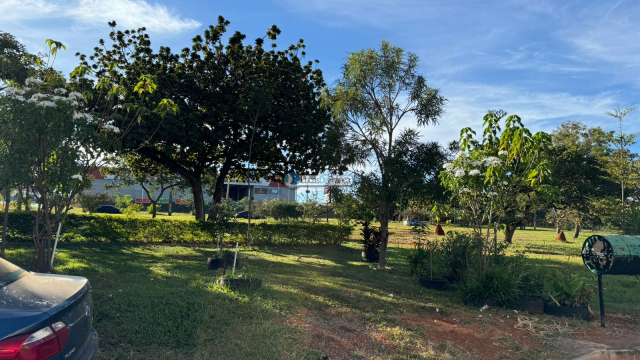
[[8, 273]]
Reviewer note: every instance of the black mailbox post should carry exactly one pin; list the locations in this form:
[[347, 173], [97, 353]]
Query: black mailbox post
[[611, 255]]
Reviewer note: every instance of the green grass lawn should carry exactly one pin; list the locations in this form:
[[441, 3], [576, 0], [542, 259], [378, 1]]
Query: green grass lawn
[[161, 302]]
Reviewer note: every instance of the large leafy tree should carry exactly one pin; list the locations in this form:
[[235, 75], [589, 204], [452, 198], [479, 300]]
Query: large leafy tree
[[221, 101], [578, 174], [377, 90], [15, 61]]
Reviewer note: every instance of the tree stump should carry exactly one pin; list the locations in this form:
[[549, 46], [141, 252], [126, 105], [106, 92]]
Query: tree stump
[[439, 230], [561, 237]]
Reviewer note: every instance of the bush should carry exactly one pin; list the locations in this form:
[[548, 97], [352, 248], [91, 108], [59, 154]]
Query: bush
[[426, 258], [89, 202], [122, 229], [281, 209], [568, 290], [458, 253], [499, 284], [296, 233], [370, 237]]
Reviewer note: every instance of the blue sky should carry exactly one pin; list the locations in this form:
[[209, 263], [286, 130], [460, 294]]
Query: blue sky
[[547, 61]]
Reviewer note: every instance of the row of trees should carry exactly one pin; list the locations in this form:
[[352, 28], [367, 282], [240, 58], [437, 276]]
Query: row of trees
[[223, 108]]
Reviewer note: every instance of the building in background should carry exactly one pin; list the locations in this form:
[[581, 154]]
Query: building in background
[[310, 187]]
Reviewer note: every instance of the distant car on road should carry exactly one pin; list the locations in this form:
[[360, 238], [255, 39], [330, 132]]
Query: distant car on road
[[45, 316], [108, 209]]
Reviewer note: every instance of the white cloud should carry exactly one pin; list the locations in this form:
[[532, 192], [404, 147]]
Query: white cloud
[[130, 14], [127, 13], [22, 9], [540, 111]]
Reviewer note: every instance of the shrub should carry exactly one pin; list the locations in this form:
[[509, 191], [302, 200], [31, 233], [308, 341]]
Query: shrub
[[370, 237], [499, 284], [458, 253], [568, 290], [123, 229], [295, 233], [281, 209], [123, 202], [89, 202], [427, 258], [132, 209]]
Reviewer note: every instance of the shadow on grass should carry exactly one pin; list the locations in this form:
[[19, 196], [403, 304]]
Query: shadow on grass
[[160, 301]]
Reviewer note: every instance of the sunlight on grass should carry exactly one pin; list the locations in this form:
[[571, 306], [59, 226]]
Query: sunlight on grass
[[159, 301]]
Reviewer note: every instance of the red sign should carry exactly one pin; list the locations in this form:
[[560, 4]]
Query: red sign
[[179, 202], [143, 201]]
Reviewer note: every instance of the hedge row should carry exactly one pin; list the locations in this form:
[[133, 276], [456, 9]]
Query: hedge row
[[84, 228]]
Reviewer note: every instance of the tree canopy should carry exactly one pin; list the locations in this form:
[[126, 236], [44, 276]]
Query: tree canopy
[[196, 111], [377, 89]]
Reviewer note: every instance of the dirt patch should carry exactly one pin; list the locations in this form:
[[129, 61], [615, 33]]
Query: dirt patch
[[338, 333], [619, 332], [341, 333], [485, 338]]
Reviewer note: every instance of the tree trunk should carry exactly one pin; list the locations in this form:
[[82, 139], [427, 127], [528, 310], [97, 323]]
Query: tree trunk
[[535, 220], [170, 202], [384, 238], [5, 224], [153, 210], [198, 196], [576, 233], [508, 233], [224, 171], [555, 215]]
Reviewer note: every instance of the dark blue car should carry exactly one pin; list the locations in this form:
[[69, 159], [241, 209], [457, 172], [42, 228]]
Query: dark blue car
[[44, 316]]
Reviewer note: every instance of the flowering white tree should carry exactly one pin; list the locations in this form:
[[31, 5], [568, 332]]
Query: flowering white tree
[[492, 179], [48, 128]]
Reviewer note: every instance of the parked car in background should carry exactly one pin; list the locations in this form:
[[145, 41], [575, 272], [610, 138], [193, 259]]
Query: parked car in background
[[45, 316], [108, 209], [412, 222], [245, 215]]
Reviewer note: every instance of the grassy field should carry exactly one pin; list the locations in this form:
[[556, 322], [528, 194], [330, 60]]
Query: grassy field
[[160, 302]]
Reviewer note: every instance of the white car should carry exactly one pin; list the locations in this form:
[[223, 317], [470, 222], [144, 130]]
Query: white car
[[411, 222]]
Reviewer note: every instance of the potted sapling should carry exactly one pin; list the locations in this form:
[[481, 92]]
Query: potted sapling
[[568, 296], [425, 260], [371, 242]]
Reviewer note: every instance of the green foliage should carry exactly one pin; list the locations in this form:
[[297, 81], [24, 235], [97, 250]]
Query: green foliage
[[632, 221], [568, 290], [106, 228], [123, 202], [370, 237], [377, 88], [223, 213], [191, 110], [294, 233], [282, 209], [312, 209], [458, 252], [497, 284], [426, 259], [226, 255], [90, 202], [132, 209], [14, 66]]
